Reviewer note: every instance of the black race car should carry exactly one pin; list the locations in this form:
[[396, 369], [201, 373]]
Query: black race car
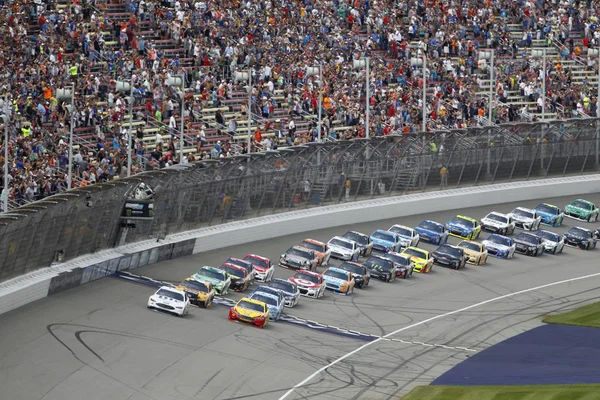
[[359, 272], [381, 268], [580, 237], [449, 256], [403, 262], [529, 244]]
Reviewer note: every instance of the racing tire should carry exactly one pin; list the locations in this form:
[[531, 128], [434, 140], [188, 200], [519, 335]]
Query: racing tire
[[555, 249], [587, 246]]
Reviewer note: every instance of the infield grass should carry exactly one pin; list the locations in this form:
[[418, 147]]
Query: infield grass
[[530, 392], [585, 316]]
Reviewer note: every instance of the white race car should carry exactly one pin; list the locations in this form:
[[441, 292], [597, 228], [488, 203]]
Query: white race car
[[310, 284], [496, 222], [344, 249], [408, 236], [526, 218], [553, 242], [170, 300]]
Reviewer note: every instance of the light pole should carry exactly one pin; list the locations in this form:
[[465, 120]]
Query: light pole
[[364, 63], [418, 62], [123, 86], [178, 81], [248, 139], [596, 53], [312, 71], [70, 169], [542, 54], [6, 118], [489, 55]]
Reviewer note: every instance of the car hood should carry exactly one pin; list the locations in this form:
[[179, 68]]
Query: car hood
[[194, 292], [295, 258], [427, 231], [331, 279], [304, 283], [547, 214], [525, 243], [495, 245], [212, 281], [521, 218], [166, 300], [493, 222], [248, 313], [459, 226], [339, 249], [576, 208], [382, 242], [444, 256]]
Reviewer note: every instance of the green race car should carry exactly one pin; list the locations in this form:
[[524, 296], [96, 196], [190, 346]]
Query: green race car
[[218, 278], [582, 210]]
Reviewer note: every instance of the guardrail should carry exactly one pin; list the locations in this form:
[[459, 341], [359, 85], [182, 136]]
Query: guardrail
[[86, 220]]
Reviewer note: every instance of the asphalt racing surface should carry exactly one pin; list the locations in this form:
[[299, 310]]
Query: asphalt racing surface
[[99, 341]]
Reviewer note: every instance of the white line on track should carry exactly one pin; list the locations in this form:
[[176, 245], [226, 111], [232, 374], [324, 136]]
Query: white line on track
[[342, 358]]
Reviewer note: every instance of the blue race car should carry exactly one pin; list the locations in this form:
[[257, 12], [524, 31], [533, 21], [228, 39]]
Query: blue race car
[[385, 241], [274, 302], [432, 232], [290, 291], [500, 246], [551, 214]]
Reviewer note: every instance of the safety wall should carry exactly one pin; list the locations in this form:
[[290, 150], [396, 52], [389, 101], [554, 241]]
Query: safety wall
[[48, 281]]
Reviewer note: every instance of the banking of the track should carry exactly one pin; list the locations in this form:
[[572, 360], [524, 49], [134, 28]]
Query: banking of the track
[[99, 341]]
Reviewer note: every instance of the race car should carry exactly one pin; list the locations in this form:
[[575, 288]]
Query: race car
[[297, 257], [476, 253], [199, 293], [310, 284], [580, 237], [171, 300], [252, 311], [529, 244], [385, 241], [362, 240], [273, 302], [408, 236], [343, 249], [404, 265], [449, 256], [526, 218], [422, 259], [219, 279], [553, 242], [359, 272], [240, 280], [339, 280], [464, 227], [321, 251], [551, 215], [499, 246], [496, 222], [271, 290], [290, 291], [263, 269], [432, 232], [244, 264], [381, 268], [597, 233], [583, 210]]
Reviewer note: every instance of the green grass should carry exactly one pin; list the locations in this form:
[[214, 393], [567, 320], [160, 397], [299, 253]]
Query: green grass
[[585, 316], [533, 392]]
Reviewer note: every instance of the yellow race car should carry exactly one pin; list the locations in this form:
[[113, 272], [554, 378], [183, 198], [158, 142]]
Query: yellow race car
[[464, 227], [476, 253], [252, 311], [422, 259], [199, 293]]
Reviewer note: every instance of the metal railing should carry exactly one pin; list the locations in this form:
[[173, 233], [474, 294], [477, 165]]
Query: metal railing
[[210, 192]]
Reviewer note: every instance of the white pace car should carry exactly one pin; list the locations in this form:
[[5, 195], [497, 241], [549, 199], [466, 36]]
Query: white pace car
[[526, 218], [343, 249], [170, 300], [496, 222]]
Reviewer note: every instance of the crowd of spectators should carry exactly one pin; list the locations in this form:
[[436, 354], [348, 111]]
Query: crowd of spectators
[[49, 46]]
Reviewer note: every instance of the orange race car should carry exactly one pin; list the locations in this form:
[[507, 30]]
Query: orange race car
[[321, 251]]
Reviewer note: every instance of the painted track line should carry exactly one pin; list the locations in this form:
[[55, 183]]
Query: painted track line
[[434, 318]]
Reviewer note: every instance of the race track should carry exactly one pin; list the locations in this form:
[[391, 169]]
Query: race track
[[99, 341]]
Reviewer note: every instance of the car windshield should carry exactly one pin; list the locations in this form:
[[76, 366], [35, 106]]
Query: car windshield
[[239, 263], [497, 217], [581, 233], [470, 246], [430, 226], [170, 294], [582, 204], [379, 263], [549, 236], [336, 274], [287, 287], [212, 274], [257, 261], [462, 222], [248, 305], [234, 271], [265, 299], [499, 240], [312, 246], [527, 238], [294, 251], [340, 243], [547, 209], [398, 259], [401, 231], [522, 213], [195, 285], [307, 277], [356, 237], [355, 269], [384, 236], [415, 253], [449, 250]]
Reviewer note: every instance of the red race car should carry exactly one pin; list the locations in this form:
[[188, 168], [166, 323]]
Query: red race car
[[263, 267]]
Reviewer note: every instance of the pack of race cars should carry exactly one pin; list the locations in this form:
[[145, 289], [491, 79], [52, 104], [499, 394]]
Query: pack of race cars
[[387, 255]]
